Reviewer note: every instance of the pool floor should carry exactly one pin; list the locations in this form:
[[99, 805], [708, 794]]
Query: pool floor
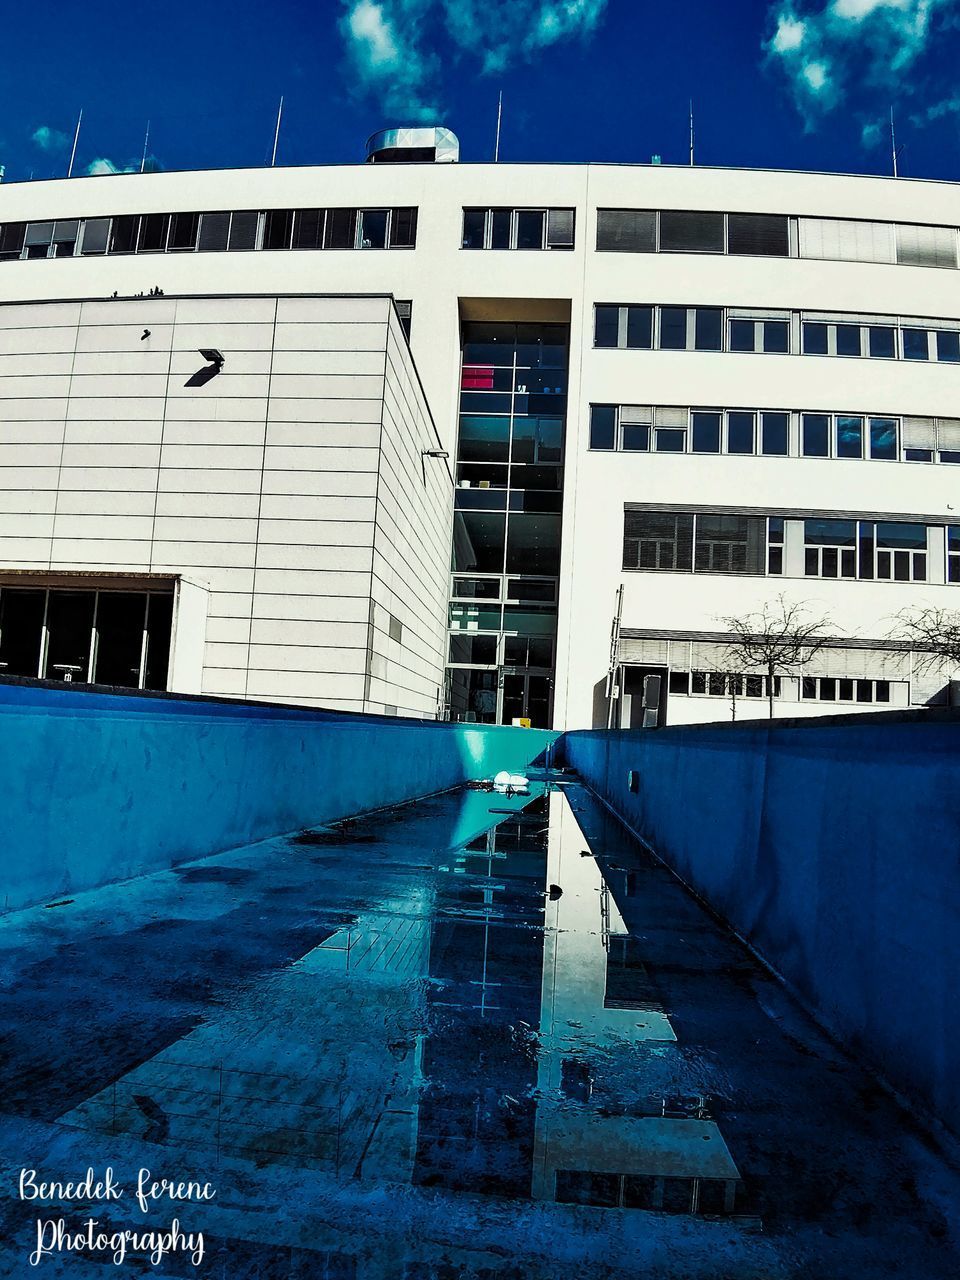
[[475, 1036]]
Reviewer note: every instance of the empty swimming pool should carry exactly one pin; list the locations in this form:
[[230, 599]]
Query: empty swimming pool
[[475, 1036]]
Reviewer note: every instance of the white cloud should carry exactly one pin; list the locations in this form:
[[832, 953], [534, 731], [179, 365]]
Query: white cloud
[[827, 48], [104, 165], [48, 139], [394, 45]]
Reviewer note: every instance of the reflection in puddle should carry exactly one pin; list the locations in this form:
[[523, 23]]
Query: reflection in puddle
[[488, 1025]]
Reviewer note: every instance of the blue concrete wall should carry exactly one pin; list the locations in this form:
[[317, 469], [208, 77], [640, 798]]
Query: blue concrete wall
[[834, 848], [99, 787]]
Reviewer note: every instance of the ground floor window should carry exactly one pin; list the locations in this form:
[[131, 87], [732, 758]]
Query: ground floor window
[[119, 638]]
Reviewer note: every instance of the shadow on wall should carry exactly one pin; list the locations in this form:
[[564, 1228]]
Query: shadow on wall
[[831, 846], [103, 786]]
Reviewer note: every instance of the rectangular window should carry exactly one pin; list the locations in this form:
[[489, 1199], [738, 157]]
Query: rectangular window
[[308, 228], [341, 229], [776, 336], [691, 231], [901, 552], [775, 544], [670, 439], [708, 329], [948, 347], [743, 335], [606, 326], [640, 328], [278, 229], [184, 228], [673, 328], [373, 228], [121, 620], [848, 437], [21, 630], [830, 548], [775, 434], [243, 229], [953, 554], [762, 234], [603, 426], [473, 650], [501, 221], [559, 228], [96, 232], [403, 228], [474, 228], [815, 435], [214, 232], [814, 338], [657, 540], [741, 430], [920, 246], [916, 344], [70, 631], [11, 240], [882, 342], [848, 340], [636, 437], [883, 439], [530, 224], [730, 544], [153, 233], [626, 230], [706, 432]]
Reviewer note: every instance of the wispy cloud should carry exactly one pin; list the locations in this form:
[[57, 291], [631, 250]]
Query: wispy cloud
[[394, 46], [829, 49], [48, 139], [103, 165]]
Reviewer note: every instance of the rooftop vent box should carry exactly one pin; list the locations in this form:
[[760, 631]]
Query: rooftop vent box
[[429, 145]]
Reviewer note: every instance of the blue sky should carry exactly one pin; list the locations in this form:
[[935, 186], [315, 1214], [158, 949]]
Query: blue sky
[[776, 83]]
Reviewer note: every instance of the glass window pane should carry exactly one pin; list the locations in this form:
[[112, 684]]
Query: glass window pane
[[243, 229], [483, 438], [403, 228], [640, 327], [603, 426], [478, 541], [848, 340], [775, 434], [670, 439], [826, 532], [606, 326], [706, 432], [742, 335], [123, 234], [533, 544], [476, 588], [159, 626], [814, 338], [480, 650], [70, 624], [500, 228], [673, 328], [307, 228], [21, 625], [341, 229], [816, 435], [373, 229], [153, 232], [183, 231], [849, 437], [882, 344], [776, 335], [740, 432], [708, 329], [530, 228], [278, 228], [636, 438], [121, 617], [883, 438], [948, 347], [691, 231], [537, 439], [474, 221], [910, 537], [916, 344], [95, 233]]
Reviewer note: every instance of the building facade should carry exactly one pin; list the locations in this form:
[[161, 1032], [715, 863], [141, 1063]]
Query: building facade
[[669, 397]]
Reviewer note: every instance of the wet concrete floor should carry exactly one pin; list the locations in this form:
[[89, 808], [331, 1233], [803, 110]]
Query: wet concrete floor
[[471, 1037]]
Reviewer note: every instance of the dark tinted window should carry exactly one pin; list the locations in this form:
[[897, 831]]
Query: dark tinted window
[[120, 622], [673, 328], [183, 230], [277, 228], [626, 230], [775, 434], [882, 342], [373, 229], [640, 327], [474, 221], [606, 326], [883, 438], [530, 228], [341, 232], [776, 335], [708, 329], [159, 623], [816, 435], [691, 231], [603, 426], [915, 344], [814, 338], [740, 432], [948, 347], [742, 335], [500, 228], [848, 340], [308, 229], [214, 232], [243, 229], [636, 437], [849, 437], [21, 624], [403, 228], [758, 233], [153, 232], [706, 432]]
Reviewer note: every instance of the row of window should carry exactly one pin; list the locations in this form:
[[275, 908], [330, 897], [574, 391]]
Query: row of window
[[517, 229], [666, 328], [775, 236], [107, 637], [773, 433], [719, 684], [695, 542], [211, 232]]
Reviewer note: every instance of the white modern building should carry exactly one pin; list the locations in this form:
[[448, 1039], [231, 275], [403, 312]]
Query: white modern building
[[222, 466]]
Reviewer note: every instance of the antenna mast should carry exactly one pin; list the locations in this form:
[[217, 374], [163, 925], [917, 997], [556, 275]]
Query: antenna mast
[[146, 139], [74, 151], [276, 136], [893, 144], [496, 149]]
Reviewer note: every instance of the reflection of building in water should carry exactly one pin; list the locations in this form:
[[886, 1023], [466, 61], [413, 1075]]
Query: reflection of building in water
[[476, 1117], [598, 994]]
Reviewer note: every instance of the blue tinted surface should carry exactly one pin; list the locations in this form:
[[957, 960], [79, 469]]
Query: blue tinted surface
[[475, 1036]]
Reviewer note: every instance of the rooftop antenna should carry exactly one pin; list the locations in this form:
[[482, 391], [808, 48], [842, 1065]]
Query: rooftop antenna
[[276, 136], [691, 131], [73, 153], [146, 139], [496, 149], [894, 152]]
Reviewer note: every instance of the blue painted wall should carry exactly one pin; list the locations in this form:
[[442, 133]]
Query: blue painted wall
[[834, 848], [100, 787]]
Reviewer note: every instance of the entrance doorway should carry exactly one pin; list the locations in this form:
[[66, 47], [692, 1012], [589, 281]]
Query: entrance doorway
[[528, 695]]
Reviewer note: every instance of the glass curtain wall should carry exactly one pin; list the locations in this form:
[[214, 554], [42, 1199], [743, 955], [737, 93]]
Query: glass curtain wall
[[506, 544]]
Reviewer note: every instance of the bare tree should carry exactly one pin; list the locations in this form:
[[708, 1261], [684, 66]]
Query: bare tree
[[778, 639], [931, 635]]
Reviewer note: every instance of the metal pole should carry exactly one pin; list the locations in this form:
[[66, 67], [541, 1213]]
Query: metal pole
[[691, 131], [276, 136], [496, 149], [146, 139], [893, 144], [75, 137]]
